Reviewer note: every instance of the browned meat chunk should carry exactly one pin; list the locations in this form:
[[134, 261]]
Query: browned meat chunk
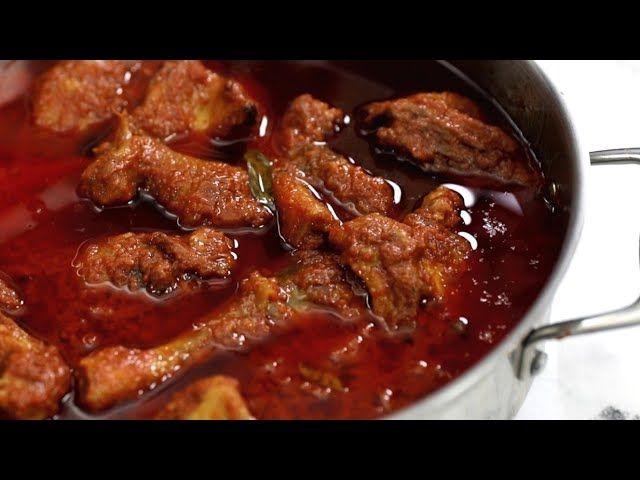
[[308, 120], [304, 220], [305, 164], [387, 255], [156, 261], [350, 185], [199, 192], [33, 376], [212, 398], [320, 279], [264, 307], [75, 95], [441, 207], [442, 132], [116, 374], [184, 96], [403, 263], [10, 299]]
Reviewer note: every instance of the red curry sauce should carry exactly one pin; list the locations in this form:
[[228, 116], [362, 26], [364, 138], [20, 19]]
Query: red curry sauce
[[43, 223]]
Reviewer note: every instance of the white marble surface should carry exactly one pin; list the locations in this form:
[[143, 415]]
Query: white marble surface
[[587, 375]]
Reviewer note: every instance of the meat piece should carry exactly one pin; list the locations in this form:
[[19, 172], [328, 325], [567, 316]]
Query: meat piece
[[441, 207], [461, 103], [348, 184], [75, 95], [320, 279], [10, 299], [387, 255], [442, 133], [184, 96], [303, 219], [308, 120], [211, 398], [156, 261], [437, 220], [115, 374], [33, 376], [264, 307], [199, 192], [403, 263]]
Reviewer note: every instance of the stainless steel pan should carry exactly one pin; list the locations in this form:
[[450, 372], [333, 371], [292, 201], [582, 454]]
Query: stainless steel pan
[[496, 387]]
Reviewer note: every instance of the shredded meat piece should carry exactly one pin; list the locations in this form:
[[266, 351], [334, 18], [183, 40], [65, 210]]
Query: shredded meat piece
[[264, 307], [402, 263], [320, 279], [304, 220], [75, 95], [33, 376], [211, 398], [10, 299], [199, 192], [442, 132], [308, 120], [441, 207], [115, 374], [156, 261], [184, 96], [349, 184]]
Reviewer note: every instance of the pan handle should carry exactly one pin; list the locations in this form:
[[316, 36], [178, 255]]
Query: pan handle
[[531, 360]]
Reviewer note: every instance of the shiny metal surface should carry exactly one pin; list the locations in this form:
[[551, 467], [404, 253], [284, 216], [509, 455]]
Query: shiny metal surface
[[491, 389], [625, 317], [620, 156]]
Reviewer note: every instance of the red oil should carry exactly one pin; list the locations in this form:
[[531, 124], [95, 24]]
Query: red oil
[[43, 223]]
